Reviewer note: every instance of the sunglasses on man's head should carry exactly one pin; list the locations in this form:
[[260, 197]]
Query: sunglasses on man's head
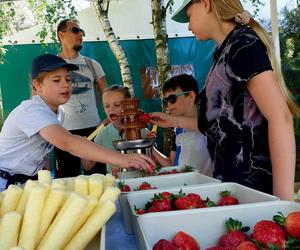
[[172, 98]]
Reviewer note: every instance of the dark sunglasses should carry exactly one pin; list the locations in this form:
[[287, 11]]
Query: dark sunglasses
[[76, 30], [172, 98]]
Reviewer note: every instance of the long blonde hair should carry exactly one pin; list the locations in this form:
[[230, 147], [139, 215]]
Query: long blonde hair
[[226, 10]]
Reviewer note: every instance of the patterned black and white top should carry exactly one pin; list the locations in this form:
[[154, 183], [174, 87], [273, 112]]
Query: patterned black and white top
[[236, 130]]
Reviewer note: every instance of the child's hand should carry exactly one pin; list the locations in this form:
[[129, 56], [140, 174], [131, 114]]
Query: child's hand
[[138, 161], [163, 120], [151, 134]]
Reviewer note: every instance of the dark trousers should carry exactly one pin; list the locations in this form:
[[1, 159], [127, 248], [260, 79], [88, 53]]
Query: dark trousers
[[67, 165], [16, 179]]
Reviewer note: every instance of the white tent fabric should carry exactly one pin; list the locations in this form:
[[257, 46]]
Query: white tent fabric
[[130, 19]]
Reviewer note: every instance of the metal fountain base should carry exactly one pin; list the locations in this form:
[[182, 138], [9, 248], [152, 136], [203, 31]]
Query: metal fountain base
[[141, 146]]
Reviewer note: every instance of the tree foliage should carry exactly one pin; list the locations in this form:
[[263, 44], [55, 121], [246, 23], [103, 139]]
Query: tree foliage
[[7, 14], [290, 47], [48, 13]]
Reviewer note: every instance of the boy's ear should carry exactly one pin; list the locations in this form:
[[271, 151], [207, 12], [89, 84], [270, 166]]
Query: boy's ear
[[192, 95], [36, 84]]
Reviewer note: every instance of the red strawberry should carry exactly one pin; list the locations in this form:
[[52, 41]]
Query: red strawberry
[[145, 186], [247, 245], [220, 248], [200, 203], [267, 232], [162, 202], [235, 235], [291, 223], [184, 202], [123, 187], [232, 239], [164, 245], [162, 173], [173, 171], [183, 241], [145, 117], [166, 195], [140, 211], [194, 196], [162, 205], [226, 199], [153, 209]]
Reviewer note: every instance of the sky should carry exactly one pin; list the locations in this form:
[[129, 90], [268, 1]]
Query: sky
[[264, 11]]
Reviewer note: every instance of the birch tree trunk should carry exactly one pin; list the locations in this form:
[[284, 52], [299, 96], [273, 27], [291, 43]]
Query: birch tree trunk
[[115, 45], [161, 41], [162, 55]]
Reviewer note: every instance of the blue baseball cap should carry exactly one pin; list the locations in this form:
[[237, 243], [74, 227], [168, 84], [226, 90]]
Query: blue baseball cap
[[180, 15], [48, 62]]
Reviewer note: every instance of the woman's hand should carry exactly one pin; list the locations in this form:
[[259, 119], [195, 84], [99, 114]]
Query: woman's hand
[[168, 121], [163, 120], [138, 161]]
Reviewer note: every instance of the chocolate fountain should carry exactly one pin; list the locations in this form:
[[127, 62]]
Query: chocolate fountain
[[132, 141]]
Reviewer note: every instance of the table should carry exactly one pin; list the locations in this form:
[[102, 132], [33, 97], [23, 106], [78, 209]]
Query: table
[[116, 237]]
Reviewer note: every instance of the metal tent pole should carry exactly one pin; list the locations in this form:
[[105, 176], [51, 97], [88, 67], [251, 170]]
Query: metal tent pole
[[275, 30]]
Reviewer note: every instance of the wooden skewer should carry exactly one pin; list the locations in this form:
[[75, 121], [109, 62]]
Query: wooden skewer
[[93, 135], [154, 128]]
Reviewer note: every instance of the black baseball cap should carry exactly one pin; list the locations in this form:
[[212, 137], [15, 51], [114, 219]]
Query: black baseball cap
[[49, 62]]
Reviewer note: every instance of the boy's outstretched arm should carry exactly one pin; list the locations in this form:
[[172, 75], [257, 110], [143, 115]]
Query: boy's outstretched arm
[[81, 147]]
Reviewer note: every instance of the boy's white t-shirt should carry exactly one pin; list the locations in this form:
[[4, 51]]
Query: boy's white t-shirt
[[191, 149], [22, 149], [81, 110]]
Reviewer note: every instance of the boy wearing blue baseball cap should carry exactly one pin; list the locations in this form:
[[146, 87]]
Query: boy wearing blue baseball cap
[[34, 127]]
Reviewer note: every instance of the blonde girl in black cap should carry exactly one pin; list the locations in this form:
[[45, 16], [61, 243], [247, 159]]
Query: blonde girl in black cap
[[245, 109], [32, 128]]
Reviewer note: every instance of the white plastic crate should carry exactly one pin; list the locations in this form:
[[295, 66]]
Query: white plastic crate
[[163, 181], [244, 195], [206, 225]]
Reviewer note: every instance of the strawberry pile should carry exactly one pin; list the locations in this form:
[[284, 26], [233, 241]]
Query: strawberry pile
[[167, 201], [161, 171], [126, 188], [279, 233], [181, 241]]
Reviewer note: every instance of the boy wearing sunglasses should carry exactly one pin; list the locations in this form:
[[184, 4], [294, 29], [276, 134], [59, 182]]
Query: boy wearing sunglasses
[[81, 110], [187, 147]]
